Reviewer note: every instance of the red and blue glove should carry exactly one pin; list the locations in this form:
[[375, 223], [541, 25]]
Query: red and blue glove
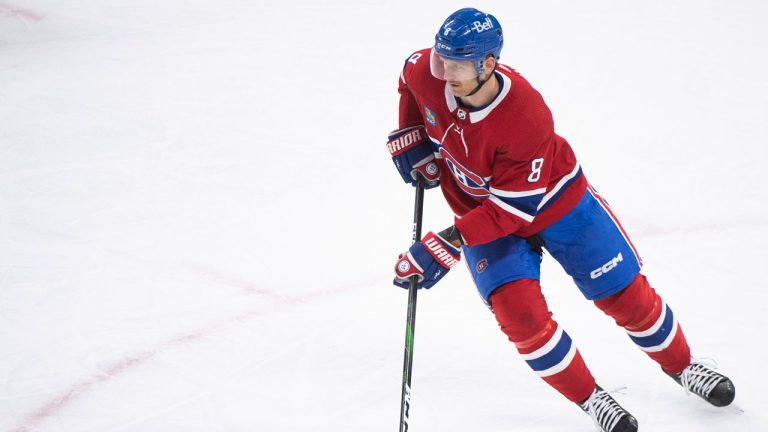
[[429, 260], [412, 152]]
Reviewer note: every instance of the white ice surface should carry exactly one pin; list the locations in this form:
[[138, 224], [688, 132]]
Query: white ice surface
[[198, 217]]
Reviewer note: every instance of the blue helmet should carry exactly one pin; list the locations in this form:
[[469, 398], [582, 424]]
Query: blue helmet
[[469, 35]]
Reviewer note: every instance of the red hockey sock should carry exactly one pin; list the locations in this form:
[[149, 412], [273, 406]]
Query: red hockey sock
[[523, 315], [650, 323]]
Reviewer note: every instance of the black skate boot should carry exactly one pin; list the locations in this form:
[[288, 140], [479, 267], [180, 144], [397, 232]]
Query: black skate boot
[[607, 414], [704, 382]]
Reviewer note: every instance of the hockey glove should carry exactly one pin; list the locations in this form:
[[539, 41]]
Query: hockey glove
[[412, 152], [429, 260]]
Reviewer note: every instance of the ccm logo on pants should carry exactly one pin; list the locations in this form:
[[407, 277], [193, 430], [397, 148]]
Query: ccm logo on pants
[[610, 265]]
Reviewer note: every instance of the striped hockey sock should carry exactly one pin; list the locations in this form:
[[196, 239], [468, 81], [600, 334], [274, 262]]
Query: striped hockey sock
[[522, 313], [650, 323], [553, 356]]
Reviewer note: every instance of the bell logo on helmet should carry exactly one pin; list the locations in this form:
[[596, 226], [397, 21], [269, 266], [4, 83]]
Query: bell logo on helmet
[[469, 35], [482, 26]]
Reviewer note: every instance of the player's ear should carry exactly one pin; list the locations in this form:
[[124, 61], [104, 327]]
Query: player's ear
[[489, 65]]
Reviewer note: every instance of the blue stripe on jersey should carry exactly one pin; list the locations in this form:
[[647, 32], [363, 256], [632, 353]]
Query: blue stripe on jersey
[[554, 356], [660, 335], [526, 204]]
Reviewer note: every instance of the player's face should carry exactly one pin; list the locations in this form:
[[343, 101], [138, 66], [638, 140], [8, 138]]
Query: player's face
[[451, 70], [460, 75], [461, 88], [458, 70]]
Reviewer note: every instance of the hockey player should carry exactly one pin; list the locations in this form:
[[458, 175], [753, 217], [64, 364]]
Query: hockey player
[[479, 130]]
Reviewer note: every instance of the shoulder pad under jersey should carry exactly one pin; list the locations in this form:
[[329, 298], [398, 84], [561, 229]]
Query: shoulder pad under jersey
[[414, 65]]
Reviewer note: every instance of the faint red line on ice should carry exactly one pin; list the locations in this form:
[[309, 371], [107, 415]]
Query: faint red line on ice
[[233, 281], [20, 12], [61, 400]]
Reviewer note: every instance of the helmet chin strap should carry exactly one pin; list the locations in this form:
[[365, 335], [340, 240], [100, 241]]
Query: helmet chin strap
[[480, 82]]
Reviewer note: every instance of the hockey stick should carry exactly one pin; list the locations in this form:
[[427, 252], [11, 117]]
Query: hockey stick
[[405, 403]]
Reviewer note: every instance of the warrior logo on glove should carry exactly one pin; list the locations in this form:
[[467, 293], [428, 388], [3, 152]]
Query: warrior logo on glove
[[400, 142], [439, 252], [429, 260], [412, 153]]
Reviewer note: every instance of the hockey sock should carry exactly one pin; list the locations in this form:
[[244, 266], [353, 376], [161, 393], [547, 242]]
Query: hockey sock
[[523, 315], [650, 324]]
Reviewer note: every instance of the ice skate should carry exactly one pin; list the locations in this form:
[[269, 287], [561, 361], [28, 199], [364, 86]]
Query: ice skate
[[607, 414], [703, 381]]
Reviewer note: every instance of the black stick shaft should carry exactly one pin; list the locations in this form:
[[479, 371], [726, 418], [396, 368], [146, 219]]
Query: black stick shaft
[[410, 326]]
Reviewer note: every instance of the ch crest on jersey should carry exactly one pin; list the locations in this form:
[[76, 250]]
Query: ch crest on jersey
[[467, 180]]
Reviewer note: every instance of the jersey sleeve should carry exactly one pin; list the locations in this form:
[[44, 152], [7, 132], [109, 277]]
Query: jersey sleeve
[[409, 112], [517, 187]]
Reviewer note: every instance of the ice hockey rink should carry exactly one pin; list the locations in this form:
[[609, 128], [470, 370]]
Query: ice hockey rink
[[199, 218]]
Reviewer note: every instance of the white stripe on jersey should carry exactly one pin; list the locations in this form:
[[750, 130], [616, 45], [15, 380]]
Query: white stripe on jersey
[[559, 186], [450, 100], [504, 206], [448, 129], [466, 149], [506, 85], [516, 194]]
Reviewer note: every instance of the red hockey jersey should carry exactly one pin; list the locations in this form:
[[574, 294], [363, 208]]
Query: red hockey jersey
[[504, 170]]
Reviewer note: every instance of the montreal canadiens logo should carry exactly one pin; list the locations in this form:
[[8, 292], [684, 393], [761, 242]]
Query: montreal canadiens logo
[[403, 266], [467, 180], [432, 168], [481, 265]]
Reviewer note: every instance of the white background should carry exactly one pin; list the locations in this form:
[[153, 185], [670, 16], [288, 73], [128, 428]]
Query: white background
[[199, 218]]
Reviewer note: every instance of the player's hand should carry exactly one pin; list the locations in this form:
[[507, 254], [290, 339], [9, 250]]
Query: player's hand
[[412, 153], [429, 260]]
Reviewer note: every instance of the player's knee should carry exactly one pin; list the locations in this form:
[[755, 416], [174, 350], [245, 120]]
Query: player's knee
[[520, 309], [633, 305]]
